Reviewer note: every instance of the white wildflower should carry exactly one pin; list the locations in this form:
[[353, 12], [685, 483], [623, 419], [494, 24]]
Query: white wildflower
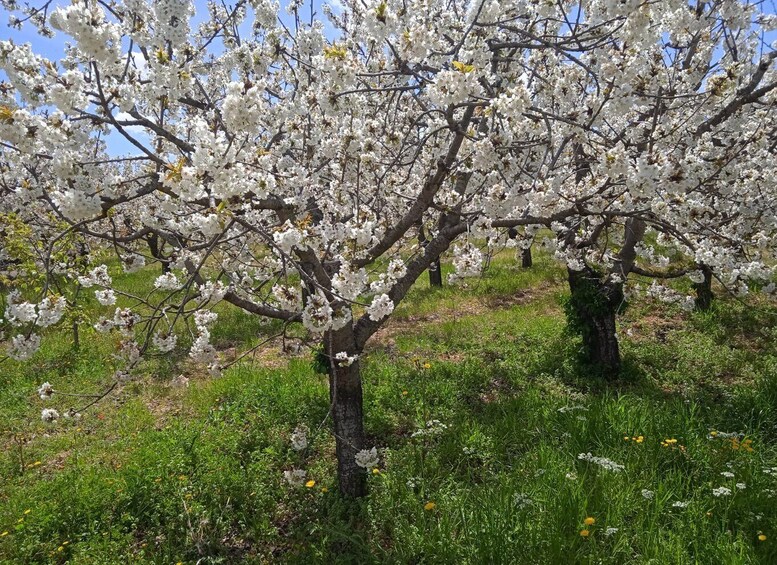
[[603, 462], [721, 491], [295, 477], [49, 415], [432, 428], [45, 391], [367, 458], [299, 438]]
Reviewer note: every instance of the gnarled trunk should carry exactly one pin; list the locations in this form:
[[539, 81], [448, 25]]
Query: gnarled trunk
[[704, 294], [345, 395], [593, 307]]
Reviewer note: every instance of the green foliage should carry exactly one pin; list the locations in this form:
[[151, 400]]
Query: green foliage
[[164, 475], [321, 363]]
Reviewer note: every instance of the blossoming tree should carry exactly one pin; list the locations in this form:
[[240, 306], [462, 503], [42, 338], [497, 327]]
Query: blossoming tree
[[287, 168], [666, 158]]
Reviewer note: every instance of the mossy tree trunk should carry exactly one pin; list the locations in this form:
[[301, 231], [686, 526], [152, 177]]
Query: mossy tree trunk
[[592, 310]]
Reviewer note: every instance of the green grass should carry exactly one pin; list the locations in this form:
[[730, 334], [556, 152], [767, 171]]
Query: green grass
[[157, 474]]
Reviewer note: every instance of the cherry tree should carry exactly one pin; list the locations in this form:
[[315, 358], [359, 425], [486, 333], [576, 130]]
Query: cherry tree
[[666, 140], [289, 164]]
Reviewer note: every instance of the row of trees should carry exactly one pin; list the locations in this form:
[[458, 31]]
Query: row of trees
[[310, 168]]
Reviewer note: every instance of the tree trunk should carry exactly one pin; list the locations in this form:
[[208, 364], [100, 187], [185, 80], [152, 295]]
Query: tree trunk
[[345, 395], [435, 268], [526, 260], [435, 273], [592, 310], [156, 253], [704, 294]]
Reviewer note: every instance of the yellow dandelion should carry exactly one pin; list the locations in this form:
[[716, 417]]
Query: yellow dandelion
[[427, 365], [404, 393], [430, 506], [27, 511], [585, 533], [761, 537], [590, 521], [60, 548], [310, 484], [376, 471], [324, 489], [640, 439], [627, 438]]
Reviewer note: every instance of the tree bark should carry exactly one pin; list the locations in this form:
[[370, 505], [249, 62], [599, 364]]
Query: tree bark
[[704, 295], [594, 306], [156, 252], [526, 260], [345, 395], [435, 268], [435, 273]]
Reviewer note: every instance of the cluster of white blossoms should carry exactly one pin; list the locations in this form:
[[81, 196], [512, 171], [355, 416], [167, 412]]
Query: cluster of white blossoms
[[46, 313], [164, 341], [202, 351], [167, 281], [367, 458], [299, 438], [23, 347], [105, 297], [49, 415], [380, 307], [603, 462], [670, 296], [467, 261], [317, 314], [431, 428], [211, 291], [295, 477], [96, 277], [721, 491], [455, 86], [45, 391], [345, 360]]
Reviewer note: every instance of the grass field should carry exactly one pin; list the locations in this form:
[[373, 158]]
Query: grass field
[[682, 465]]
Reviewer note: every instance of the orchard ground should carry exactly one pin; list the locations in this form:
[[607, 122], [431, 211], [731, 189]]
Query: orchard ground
[[682, 465]]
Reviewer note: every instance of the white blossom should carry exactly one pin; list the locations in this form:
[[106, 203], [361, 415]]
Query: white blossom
[[367, 458]]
